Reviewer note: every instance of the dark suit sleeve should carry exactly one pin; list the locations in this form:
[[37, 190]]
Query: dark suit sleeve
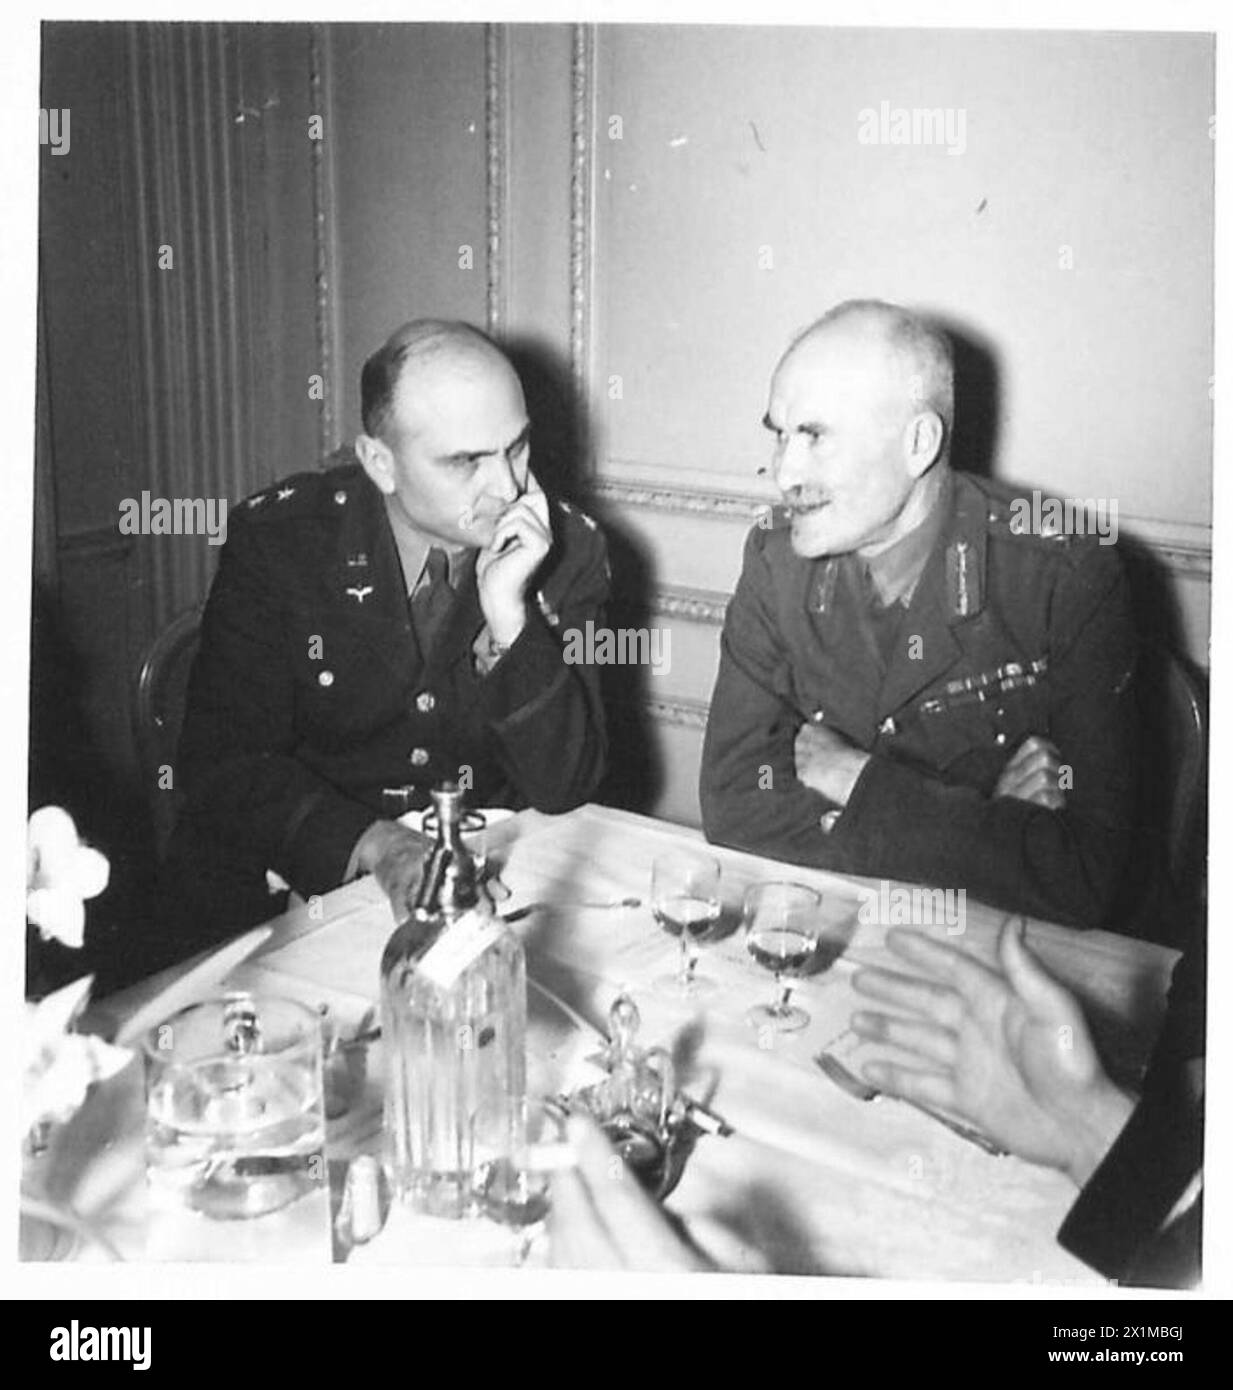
[[246, 790], [545, 714], [902, 821], [749, 792], [1120, 1223]]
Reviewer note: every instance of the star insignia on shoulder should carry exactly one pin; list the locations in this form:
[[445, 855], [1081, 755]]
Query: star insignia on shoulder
[[551, 616], [570, 510], [285, 492], [256, 501]]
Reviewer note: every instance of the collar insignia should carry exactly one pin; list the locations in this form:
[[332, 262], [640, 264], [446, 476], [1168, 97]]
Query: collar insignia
[[825, 592]]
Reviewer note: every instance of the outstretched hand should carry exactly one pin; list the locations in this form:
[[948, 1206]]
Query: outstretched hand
[[1007, 1049], [602, 1219]]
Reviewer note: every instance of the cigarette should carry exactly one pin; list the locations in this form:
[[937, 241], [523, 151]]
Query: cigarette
[[551, 1158], [707, 1120]]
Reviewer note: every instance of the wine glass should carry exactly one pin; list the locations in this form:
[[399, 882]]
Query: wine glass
[[516, 1190], [782, 923], [685, 903]]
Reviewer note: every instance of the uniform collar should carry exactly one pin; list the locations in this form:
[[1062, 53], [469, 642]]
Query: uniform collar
[[367, 580], [895, 571], [949, 594], [413, 546]]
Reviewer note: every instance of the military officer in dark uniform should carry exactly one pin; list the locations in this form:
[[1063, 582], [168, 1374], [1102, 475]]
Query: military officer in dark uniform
[[912, 684], [382, 627]]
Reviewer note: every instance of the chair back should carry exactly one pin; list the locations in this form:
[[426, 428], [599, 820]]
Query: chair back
[[162, 690], [1173, 790]]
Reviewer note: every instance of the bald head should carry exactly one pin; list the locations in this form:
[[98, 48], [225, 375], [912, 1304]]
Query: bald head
[[446, 437], [415, 360], [897, 355], [861, 407]]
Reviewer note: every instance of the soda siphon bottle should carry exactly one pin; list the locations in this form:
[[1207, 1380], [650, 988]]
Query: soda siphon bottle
[[453, 1020]]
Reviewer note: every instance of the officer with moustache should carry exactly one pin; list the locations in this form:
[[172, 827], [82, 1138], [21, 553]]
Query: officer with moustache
[[382, 627], [909, 687]]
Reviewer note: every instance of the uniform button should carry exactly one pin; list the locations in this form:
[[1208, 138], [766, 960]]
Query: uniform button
[[999, 739], [827, 821], [326, 678], [419, 756], [425, 702], [340, 497]]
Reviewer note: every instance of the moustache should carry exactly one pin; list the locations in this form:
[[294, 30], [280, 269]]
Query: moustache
[[796, 502]]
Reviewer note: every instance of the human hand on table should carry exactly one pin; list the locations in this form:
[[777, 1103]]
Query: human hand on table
[[602, 1219], [1033, 774], [395, 856], [1007, 1049]]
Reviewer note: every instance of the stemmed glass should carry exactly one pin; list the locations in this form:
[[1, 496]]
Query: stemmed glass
[[516, 1191], [782, 925], [685, 902]]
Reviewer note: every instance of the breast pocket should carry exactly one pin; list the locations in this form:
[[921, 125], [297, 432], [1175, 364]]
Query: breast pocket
[[987, 722], [341, 692]]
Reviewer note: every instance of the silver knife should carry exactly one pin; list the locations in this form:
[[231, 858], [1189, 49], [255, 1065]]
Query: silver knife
[[864, 1090]]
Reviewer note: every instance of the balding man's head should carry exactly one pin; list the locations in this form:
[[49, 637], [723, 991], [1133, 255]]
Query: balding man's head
[[914, 357], [446, 436], [418, 353], [861, 405]]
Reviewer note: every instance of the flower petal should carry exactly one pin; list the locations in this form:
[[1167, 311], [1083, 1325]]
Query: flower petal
[[58, 912], [90, 872]]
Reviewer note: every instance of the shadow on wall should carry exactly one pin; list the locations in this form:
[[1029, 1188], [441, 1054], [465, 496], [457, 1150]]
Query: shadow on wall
[[561, 453], [978, 397]]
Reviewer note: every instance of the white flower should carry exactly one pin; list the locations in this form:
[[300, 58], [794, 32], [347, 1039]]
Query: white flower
[[59, 1067], [61, 873]]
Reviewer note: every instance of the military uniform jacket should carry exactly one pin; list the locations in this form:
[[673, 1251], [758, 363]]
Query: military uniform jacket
[[311, 708], [1015, 634]]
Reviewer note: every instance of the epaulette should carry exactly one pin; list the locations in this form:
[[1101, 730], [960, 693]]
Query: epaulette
[[570, 510], [1003, 522], [302, 494], [1065, 526], [579, 545], [1046, 538]]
